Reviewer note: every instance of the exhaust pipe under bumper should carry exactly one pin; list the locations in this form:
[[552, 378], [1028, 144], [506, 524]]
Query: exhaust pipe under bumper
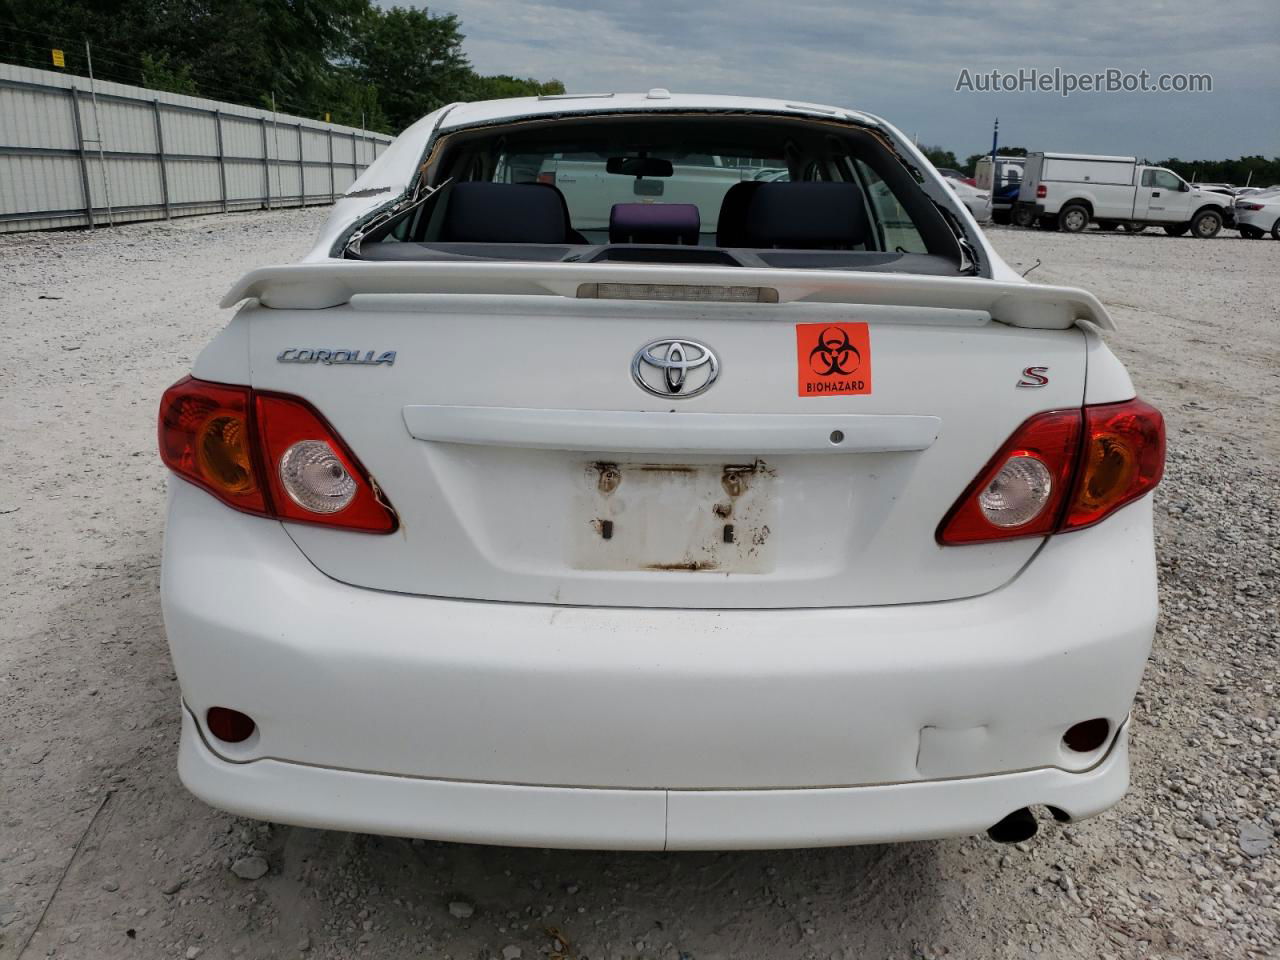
[[1016, 827]]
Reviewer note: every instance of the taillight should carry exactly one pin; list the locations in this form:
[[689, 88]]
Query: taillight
[[1248, 206], [1122, 458], [206, 436], [268, 454], [1041, 191], [1061, 470], [1019, 493], [547, 177]]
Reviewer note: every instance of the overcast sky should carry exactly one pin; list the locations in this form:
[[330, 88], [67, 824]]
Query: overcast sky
[[901, 59]]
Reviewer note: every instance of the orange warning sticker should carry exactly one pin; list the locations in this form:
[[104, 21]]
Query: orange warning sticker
[[833, 359]]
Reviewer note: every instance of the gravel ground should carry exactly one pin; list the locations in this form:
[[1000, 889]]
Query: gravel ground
[[104, 855]]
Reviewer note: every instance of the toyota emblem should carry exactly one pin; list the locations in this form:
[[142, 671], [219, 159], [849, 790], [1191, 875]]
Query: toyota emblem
[[675, 368]]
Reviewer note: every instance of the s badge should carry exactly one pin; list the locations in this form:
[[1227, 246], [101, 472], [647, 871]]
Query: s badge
[[1034, 377]]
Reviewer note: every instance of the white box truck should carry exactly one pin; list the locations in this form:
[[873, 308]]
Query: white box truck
[[1066, 191], [1003, 187]]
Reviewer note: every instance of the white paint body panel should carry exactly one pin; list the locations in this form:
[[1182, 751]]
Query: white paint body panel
[[746, 703], [493, 521]]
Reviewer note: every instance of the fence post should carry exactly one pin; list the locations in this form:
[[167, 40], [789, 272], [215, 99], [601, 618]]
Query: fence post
[[355, 158], [164, 174], [266, 166], [332, 194], [222, 161], [302, 172], [84, 164]]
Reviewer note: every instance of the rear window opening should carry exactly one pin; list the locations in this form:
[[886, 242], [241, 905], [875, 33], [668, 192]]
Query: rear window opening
[[742, 190]]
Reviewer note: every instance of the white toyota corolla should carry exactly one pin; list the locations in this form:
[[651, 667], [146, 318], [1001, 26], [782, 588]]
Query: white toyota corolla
[[791, 516]]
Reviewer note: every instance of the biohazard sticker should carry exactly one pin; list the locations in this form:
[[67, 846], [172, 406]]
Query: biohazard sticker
[[833, 359]]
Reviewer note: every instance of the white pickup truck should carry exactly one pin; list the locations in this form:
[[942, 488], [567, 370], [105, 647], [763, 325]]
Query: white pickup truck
[[1066, 191]]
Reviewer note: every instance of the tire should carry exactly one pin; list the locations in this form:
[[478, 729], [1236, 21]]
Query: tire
[[1177, 229], [1073, 218], [1206, 224], [1275, 230], [1023, 216], [1250, 233]]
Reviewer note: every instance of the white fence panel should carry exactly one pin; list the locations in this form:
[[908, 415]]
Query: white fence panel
[[161, 154]]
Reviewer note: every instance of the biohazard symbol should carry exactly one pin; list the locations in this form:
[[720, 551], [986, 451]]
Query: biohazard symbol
[[834, 354], [833, 359]]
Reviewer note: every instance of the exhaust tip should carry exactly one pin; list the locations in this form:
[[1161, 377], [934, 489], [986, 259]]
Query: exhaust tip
[[1016, 827]]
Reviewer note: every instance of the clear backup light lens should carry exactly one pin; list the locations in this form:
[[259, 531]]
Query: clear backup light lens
[[1017, 494], [315, 478]]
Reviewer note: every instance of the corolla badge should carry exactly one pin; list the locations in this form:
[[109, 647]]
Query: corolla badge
[[329, 357], [675, 368]]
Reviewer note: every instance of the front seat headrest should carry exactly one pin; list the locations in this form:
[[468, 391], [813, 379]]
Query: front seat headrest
[[483, 212], [807, 215]]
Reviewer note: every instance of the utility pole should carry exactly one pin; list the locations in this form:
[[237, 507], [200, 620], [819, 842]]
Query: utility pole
[[97, 130]]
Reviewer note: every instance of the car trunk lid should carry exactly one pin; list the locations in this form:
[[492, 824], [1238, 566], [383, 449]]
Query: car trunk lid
[[528, 463]]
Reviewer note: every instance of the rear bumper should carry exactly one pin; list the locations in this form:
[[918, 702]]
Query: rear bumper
[[577, 817], [517, 723]]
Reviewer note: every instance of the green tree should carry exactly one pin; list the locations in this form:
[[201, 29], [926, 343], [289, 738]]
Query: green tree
[[502, 85], [347, 58], [939, 157], [158, 74], [415, 61]]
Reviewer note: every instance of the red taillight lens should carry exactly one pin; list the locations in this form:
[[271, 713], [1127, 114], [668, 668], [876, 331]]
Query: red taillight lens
[[268, 454], [1061, 470], [1248, 206], [206, 436], [313, 477], [1121, 459], [1019, 493], [547, 177], [1041, 191]]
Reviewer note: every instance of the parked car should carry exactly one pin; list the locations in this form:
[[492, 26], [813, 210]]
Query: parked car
[[1003, 184], [951, 174], [827, 528], [1068, 191], [977, 202], [1258, 214], [1224, 188]]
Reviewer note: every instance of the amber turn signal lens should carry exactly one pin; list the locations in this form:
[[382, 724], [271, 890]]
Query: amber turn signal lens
[[1109, 469], [1122, 459], [223, 453]]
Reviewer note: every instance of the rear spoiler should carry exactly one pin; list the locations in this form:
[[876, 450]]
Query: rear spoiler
[[315, 286]]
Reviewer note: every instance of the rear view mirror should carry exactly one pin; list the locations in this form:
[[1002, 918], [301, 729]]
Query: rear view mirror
[[639, 166]]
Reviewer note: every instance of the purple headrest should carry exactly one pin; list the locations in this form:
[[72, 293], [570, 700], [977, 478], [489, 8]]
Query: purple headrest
[[654, 223]]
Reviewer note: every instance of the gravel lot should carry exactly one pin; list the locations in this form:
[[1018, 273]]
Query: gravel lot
[[96, 830]]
